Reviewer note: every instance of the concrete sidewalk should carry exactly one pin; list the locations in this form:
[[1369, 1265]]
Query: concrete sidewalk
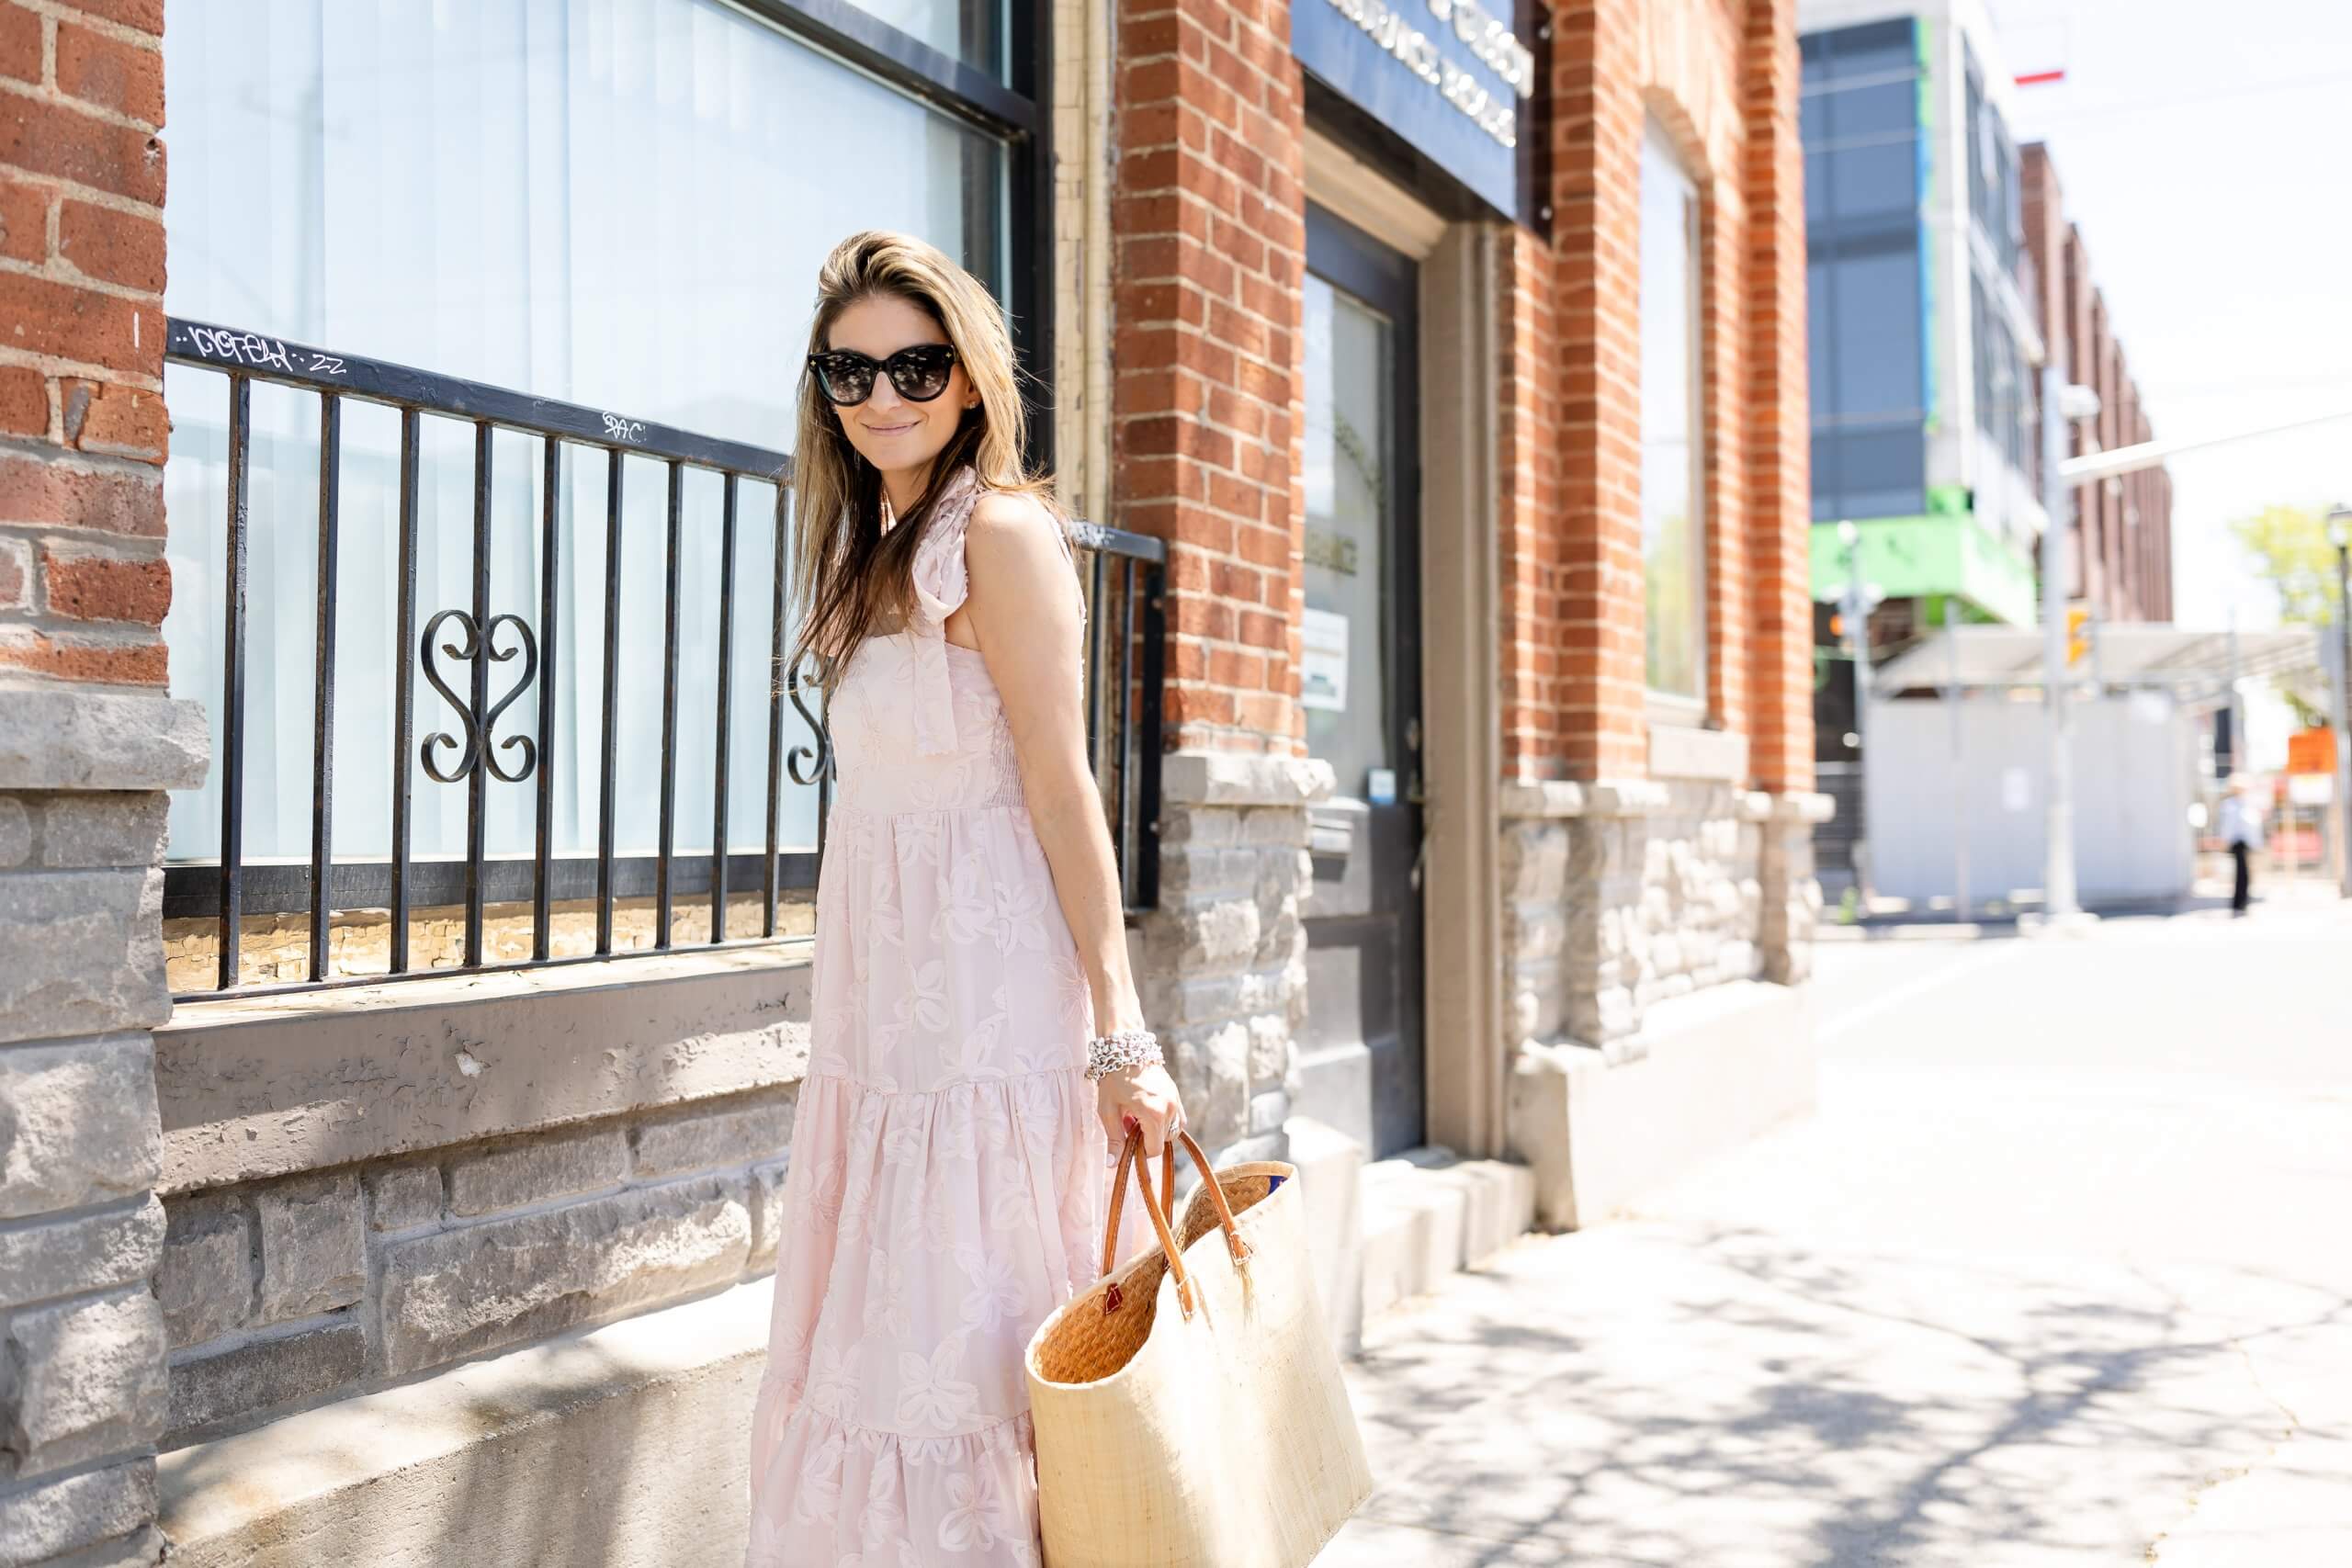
[[2061, 1274]]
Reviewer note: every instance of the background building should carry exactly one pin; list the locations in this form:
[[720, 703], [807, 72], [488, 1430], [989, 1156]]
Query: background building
[[2122, 547], [404, 836], [1942, 277]]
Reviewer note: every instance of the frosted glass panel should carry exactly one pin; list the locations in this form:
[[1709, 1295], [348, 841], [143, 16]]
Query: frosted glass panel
[[619, 203]]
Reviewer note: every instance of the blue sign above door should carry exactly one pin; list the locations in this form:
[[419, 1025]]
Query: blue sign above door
[[1447, 75]]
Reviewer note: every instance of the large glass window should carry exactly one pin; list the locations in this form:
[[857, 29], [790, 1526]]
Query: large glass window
[[1672, 529], [619, 203], [1866, 307]]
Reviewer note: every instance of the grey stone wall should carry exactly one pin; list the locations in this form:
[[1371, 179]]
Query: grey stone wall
[[278, 1294], [1618, 897], [82, 1386], [1790, 892], [1223, 966]]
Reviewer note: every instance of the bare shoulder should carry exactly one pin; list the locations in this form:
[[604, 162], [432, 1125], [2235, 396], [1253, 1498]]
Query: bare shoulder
[[1013, 531], [1002, 518]]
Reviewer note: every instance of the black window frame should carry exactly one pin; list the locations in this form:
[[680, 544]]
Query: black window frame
[[1014, 109]]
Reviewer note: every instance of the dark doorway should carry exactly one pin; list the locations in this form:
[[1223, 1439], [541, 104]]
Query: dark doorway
[[1361, 1050]]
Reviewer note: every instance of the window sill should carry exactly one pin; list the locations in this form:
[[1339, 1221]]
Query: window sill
[[258, 1086], [1684, 750]]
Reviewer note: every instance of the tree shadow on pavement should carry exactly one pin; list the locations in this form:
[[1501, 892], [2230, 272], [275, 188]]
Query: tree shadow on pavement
[[1649, 1393]]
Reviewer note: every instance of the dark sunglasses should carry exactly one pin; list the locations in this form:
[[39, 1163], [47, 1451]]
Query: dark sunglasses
[[920, 373]]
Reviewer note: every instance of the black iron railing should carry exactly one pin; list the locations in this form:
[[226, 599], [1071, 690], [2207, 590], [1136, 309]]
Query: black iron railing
[[1123, 669]]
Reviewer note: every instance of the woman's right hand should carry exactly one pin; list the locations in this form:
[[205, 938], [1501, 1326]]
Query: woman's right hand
[[1146, 1097]]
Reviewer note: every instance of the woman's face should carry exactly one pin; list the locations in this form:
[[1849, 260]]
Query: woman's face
[[890, 432]]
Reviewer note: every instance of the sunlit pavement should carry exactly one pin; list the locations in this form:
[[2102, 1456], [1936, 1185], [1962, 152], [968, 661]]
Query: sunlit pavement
[[2060, 1274]]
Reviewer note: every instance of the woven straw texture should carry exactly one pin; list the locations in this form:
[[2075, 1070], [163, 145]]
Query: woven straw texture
[[1224, 1439]]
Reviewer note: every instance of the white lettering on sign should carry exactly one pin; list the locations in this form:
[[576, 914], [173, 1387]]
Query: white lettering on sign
[[1490, 41], [1495, 113]]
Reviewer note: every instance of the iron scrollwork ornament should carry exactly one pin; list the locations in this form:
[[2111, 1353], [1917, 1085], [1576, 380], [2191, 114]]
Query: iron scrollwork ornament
[[478, 747], [818, 759]]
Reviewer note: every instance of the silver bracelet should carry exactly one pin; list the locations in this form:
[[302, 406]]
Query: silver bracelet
[[1108, 1054]]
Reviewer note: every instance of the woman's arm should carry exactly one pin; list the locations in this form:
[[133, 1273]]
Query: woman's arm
[[1022, 613]]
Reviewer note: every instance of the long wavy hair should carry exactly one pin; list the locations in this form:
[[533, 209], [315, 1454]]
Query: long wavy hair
[[850, 579]]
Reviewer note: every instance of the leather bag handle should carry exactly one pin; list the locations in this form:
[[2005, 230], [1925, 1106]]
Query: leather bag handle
[[1129, 1155], [1159, 1208]]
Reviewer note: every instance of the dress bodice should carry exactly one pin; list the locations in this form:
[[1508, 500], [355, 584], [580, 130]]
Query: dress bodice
[[916, 721]]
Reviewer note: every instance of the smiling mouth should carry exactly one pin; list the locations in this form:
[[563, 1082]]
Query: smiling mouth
[[891, 429]]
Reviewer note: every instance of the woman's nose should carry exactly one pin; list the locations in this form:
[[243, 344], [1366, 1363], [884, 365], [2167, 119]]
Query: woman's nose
[[885, 397]]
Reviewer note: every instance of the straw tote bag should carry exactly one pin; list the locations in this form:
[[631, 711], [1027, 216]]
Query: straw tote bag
[[1189, 1409]]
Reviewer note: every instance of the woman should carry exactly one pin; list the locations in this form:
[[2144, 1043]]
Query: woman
[[949, 1153]]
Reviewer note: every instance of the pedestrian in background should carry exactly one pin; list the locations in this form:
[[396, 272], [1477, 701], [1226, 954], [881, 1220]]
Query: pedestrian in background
[[2241, 831]]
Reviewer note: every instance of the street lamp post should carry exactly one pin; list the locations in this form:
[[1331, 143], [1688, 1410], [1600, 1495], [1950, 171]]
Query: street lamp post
[[2062, 405], [2339, 534]]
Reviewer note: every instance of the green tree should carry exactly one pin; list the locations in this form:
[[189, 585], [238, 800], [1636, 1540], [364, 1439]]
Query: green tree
[[2288, 545]]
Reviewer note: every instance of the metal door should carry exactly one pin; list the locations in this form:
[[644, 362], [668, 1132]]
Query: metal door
[[1360, 1056]]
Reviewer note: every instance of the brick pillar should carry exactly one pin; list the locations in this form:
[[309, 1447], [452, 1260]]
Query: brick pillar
[[1596, 236], [88, 743], [1528, 551], [1210, 224], [1779, 451], [1780, 503]]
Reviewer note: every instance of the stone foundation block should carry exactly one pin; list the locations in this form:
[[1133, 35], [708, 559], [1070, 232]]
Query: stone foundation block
[[79, 1116], [313, 1249], [1197, 937], [767, 1211], [512, 1175], [89, 1251], [404, 1196], [83, 1378], [66, 738], [206, 1283], [457, 1291], [1198, 825], [263, 1372], [1207, 868], [82, 952], [1269, 1050], [1210, 1068], [94, 831], [704, 1139], [79, 1511]]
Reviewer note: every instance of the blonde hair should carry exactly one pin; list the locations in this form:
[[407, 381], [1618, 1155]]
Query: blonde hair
[[846, 571]]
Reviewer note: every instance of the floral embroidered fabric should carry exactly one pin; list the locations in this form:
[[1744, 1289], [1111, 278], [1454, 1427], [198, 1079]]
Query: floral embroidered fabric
[[947, 1173]]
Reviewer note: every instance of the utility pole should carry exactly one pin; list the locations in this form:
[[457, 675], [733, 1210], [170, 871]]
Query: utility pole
[[2062, 405], [2339, 534]]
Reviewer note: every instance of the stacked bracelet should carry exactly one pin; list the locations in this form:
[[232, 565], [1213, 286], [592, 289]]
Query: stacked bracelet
[[1108, 1054]]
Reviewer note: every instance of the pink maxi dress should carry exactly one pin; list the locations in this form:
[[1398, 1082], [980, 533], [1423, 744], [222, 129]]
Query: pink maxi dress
[[947, 1171]]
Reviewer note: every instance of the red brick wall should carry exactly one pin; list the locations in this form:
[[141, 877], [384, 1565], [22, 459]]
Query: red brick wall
[[82, 582], [1528, 400], [1595, 555], [1208, 406], [2128, 567], [1722, 79], [1776, 412], [1209, 216]]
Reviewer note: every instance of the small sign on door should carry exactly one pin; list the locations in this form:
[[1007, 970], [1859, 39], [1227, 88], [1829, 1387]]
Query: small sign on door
[[1323, 660]]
